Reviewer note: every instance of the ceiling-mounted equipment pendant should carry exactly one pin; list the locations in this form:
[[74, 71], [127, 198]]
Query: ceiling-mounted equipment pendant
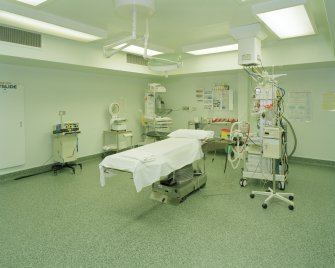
[[135, 8], [143, 7]]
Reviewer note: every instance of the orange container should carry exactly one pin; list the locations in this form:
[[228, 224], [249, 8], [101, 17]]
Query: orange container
[[225, 133]]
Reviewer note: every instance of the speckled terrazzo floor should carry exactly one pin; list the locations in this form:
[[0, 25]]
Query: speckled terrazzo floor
[[70, 221]]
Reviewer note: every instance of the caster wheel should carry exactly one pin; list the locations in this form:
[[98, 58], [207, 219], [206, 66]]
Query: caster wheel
[[291, 197], [264, 205], [243, 182], [252, 195], [290, 207]]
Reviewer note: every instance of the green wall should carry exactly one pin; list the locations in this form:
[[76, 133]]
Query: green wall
[[315, 138], [84, 95]]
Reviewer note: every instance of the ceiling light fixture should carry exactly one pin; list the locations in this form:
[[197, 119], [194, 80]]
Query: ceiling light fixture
[[212, 50], [137, 50], [26, 18], [285, 18], [32, 2], [44, 27]]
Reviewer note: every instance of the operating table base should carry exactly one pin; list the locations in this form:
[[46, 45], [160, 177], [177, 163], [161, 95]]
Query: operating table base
[[175, 194]]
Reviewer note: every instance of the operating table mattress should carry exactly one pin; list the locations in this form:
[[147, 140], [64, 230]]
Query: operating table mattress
[[150, 162]]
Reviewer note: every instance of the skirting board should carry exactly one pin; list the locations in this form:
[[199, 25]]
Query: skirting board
[[46, 168], [39, 170], [310, 161]]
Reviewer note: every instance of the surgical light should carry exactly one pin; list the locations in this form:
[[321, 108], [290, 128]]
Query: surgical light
[[213, 50], [285, 22], [32, 2]]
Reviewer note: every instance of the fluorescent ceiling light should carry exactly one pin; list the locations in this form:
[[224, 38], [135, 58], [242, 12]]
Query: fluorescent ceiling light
[[288, 22], [32, 2], [44, 27], [213, 50], [137, 50]]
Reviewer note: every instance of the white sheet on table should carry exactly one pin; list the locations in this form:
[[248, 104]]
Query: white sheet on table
[[139, 155], [192, 134], [171, 154]]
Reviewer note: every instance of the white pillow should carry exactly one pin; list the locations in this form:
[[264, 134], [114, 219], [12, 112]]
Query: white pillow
[[192, 134]]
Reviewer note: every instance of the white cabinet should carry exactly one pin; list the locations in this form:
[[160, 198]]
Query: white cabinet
[[65, 147]]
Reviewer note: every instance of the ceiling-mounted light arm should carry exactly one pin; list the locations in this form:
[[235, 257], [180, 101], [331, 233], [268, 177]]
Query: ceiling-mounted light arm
[[146, 39], [130, 43], [134, 21], [113, 48]]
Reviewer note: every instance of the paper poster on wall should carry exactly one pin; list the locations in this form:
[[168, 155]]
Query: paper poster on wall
[[328, 101], [298, 106], [199, 94], [208, 100], [217, 98]]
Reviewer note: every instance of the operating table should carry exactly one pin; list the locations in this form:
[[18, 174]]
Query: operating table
[[166, 165]]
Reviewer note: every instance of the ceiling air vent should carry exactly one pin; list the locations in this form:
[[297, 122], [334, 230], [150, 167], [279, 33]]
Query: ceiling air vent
[[20, 37], [135, 59]]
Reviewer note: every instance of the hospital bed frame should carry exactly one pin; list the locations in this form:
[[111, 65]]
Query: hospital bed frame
[[175, 158], [170, 190]]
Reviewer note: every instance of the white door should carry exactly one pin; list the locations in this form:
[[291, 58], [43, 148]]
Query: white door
[[12, 140]]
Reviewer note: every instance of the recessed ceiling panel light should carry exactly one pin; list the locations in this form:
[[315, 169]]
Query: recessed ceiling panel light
[[27, 23], [288, 22], [213, 50], [32, 2]]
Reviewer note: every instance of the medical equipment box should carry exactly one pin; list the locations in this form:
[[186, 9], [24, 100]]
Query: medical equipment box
[[249, 51], [65, 148], [272, 142], [118, 124], [272, 133], [66, 128]]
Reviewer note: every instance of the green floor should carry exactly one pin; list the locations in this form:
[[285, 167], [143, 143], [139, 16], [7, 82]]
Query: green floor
[[70, 221]]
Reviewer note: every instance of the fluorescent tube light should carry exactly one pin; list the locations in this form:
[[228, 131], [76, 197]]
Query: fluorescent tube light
[[288, 22], [213, 50], [32, 2], [44, 27], [137, 50]]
